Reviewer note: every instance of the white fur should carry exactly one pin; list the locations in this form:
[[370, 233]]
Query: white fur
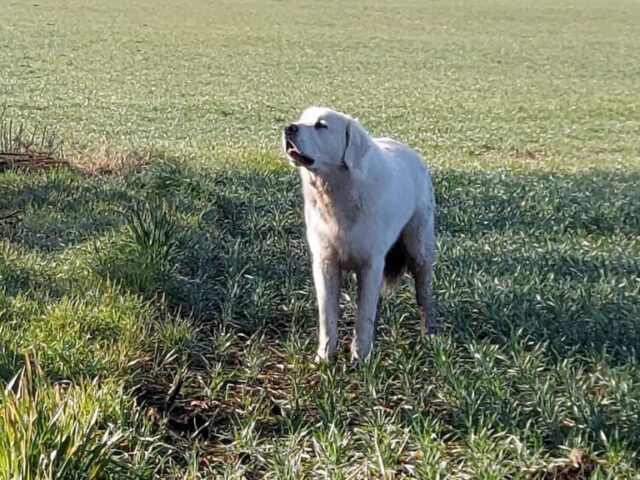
[[361, 194]]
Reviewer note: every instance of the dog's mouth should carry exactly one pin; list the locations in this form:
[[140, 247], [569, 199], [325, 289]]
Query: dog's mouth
[[296, 155]]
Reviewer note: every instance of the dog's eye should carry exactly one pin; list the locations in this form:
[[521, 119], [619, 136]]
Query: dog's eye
[[320, 124]]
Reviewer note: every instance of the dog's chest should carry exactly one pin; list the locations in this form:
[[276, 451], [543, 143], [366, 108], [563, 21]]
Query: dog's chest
[[341, 235], [337, 223]]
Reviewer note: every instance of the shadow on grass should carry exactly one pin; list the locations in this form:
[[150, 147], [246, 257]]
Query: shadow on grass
[[546, 258], [591, 202], [554, 254], [10, 363]]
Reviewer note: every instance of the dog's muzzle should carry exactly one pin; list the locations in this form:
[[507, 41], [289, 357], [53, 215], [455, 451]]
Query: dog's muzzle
[[291, 149]]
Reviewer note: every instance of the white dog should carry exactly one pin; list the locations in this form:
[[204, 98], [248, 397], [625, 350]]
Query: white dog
[[369, 207]]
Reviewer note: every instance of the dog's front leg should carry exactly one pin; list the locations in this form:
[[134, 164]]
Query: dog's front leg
[[326, 277], [369, 286]]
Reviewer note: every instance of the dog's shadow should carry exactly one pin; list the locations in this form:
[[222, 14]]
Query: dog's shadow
[[547, 254]]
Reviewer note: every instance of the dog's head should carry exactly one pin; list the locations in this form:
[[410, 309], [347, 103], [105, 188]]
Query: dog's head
[[325, 141]]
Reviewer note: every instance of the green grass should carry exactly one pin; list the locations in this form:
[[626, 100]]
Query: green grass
[[160, 322]]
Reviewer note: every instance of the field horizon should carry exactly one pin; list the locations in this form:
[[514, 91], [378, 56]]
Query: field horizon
[[157, 316]]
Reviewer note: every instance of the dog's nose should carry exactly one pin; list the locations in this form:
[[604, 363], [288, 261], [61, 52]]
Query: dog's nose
[[291, 129]]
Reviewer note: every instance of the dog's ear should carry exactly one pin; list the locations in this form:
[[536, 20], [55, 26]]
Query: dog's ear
[[357, 143]]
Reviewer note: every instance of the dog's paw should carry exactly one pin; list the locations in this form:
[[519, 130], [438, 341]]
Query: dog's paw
[[430, 329], [320, 359], [322, 356], [360, 352], [327, 348], [428, 325]]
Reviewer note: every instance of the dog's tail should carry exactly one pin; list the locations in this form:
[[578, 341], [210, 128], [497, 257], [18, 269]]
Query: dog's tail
[[395, 263]]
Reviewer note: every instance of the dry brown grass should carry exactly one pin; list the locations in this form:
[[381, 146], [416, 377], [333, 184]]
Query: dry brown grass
[[109, 161], [30, 148], [30, 161]]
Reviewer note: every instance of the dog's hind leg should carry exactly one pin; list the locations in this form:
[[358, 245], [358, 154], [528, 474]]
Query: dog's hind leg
[[422, 274], [420, 242]]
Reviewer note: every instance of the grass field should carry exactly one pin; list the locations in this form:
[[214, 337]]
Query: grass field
[[160, 318]]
